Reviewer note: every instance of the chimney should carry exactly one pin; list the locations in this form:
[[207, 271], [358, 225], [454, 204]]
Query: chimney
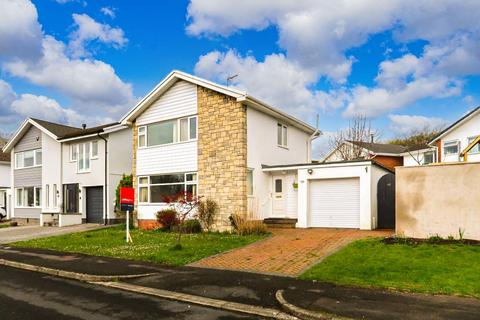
[[371, 137], [84, 126]]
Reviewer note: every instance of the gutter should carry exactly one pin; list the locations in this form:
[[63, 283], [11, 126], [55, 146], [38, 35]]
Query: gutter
[[105, 169], [314, 136]]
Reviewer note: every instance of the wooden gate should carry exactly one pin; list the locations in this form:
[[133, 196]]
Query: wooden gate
[[386, 202]]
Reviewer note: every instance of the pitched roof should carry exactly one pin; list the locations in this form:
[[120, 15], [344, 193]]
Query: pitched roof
[[456, 123], [57, 129], [239, 95], [87, 131], [380, 147]]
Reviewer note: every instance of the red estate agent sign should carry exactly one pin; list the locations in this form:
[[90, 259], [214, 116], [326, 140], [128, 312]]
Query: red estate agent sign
[[127, 195]]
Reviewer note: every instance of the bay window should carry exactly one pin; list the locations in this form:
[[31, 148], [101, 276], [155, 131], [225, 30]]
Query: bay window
[[28, 159], [167, 132], [158, 188]]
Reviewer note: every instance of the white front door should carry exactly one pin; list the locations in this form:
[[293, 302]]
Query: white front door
[[278, 197]]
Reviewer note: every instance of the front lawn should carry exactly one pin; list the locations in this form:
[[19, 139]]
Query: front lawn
[[153, 246], [430, 268]]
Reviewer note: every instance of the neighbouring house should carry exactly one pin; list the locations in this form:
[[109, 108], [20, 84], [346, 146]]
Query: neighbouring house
[[450, 143], [66, 175], [193, 135], [419, 155], [424, 206], [5, 193], [389, 155]]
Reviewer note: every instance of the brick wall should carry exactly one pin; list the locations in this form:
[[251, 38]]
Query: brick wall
[[222, 153]]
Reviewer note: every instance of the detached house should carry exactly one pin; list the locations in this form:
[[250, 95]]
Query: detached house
[[193, 135], [66, 175]]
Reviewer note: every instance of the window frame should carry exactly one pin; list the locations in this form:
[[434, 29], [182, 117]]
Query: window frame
[[451, 143], [250, 186], [75, 149], [470, 140], [24, 200], [176, 133], [433, 157], [282, 135], [35, 159], [148, 185], [92, 156]]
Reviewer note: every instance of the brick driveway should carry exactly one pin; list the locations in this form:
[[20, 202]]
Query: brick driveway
[[288, 251]]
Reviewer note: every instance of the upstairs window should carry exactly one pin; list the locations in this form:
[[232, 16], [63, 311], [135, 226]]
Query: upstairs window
[[28, 159], [282, 133], [82, 153], [167, 132], [451, 147]]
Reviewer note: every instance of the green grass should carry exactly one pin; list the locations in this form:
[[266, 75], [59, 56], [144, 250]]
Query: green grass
[[4, 226], [442, 269], [152, 246]]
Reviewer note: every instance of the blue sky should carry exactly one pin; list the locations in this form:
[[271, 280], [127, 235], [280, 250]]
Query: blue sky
[[406, 65]]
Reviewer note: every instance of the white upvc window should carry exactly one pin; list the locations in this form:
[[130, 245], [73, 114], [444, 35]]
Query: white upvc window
[[157, 188], [428, 157], [28, 197], [47, 196], [476, 148], [282, 135], [249, 182], [28, 159], [82, 153], [168, 132], [55, 196], [451, 147]]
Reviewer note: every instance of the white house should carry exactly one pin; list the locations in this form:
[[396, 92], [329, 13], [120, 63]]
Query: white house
[[50, 187], [193, 135], [454, 139]]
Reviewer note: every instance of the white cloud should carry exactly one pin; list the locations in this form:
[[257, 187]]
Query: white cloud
[[408, 124], [91, 84], [316, 36], [108, 11], [280, 82], [20, 32], [322, 145], [89, 30]]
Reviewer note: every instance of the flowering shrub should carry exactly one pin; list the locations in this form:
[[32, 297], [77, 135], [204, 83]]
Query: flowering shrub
[[167, 218]]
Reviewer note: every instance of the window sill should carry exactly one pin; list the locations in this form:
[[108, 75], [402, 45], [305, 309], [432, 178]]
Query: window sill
[[37, 166], [83, 172], [28, 207], [283, 147]]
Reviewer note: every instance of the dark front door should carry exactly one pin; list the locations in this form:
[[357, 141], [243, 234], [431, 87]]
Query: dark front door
[[386, 201], [95, 204], [70, 197]]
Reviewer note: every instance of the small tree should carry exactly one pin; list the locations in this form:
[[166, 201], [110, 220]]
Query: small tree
[[207, 210], [359, 130], [184, 204], [415, 141]]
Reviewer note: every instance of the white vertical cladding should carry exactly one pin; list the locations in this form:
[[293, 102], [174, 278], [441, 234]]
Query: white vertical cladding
[[262, 148], [377, 174], [361, 171], [51, 172]]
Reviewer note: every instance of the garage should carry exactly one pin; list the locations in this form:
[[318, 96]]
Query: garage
[[334, 203], [94, 204]]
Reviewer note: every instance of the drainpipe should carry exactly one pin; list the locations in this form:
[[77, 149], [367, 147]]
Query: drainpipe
[[314, 136], [105, 189]]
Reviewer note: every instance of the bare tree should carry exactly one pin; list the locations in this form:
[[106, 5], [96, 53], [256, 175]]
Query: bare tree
[[345, 141]]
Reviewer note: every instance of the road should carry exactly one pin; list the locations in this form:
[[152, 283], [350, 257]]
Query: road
[[30, 295]]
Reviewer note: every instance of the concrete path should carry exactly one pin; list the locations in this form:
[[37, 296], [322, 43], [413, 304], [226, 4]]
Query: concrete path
[[289, 251], [14, 234]]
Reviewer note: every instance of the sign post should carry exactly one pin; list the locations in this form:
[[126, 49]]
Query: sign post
[[127, 200]]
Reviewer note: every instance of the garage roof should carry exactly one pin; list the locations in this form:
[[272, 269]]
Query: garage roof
[[323, 164]]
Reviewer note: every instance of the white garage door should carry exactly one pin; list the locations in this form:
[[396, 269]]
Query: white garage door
[[335, 203]]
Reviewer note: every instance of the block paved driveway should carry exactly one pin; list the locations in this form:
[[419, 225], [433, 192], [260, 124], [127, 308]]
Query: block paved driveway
[[288, 252]]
